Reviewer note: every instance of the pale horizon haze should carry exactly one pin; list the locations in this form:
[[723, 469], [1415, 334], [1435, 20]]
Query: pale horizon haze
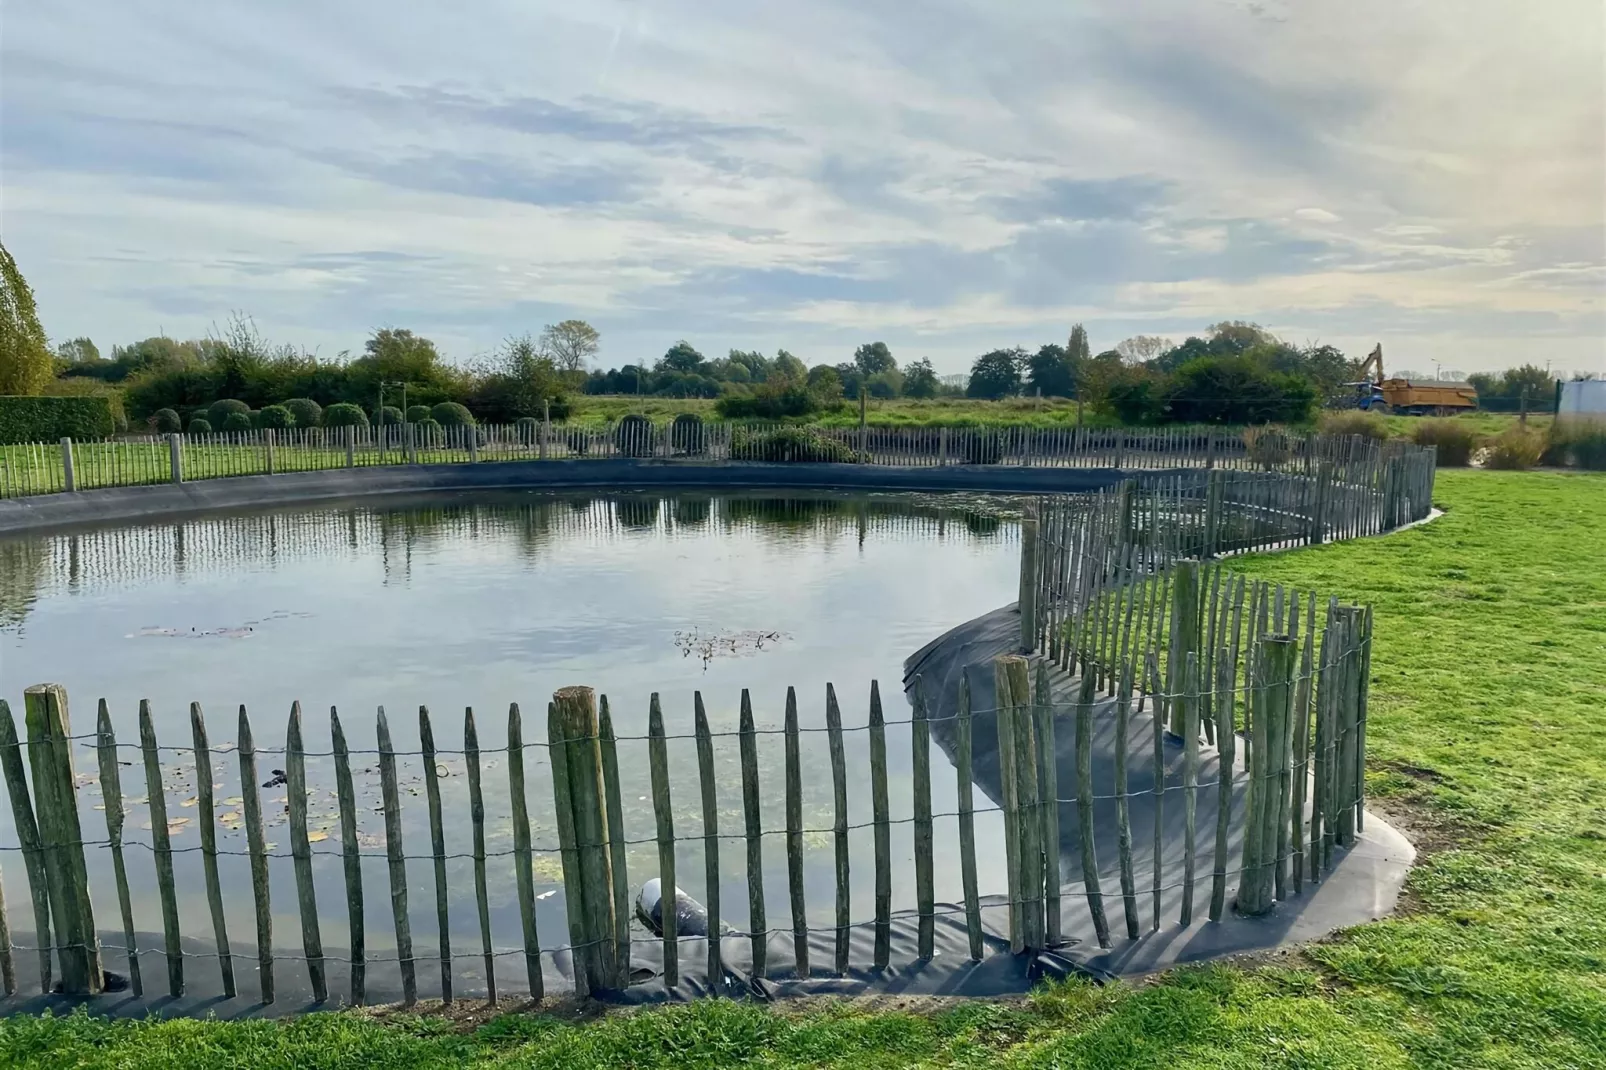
[[949, 177]]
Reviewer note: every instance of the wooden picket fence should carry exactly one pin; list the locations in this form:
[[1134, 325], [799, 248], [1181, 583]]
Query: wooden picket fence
[[139, 460]]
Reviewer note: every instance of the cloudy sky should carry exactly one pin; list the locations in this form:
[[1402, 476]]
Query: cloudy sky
[[948, 176]]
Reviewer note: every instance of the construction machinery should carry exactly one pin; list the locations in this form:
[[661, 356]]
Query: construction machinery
[[1410, 397]]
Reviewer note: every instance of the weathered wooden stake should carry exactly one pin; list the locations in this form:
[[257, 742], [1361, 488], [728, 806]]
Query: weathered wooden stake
[[256, 848], [476, 814], [111, 788], [920, 754], [663, 812], [523, 863], [437, 843], [206, 818], [295, 769], [794, 837], [614, 803], [350, 859], [758, 922], [28, 837], [705, 776], [839, 830], [883, 829], [967, 818], [396, 859]]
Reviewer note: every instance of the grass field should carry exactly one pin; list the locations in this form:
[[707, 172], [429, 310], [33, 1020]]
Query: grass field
[[1486, 745], [898, 412]]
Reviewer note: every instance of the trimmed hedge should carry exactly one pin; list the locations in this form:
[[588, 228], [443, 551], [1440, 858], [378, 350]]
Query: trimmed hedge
[[452, 414], [417, 414], [200, 426], [634, 436], [237, 421], [308, 413], [686, 434], [389, 415], [790, 444], [47, 419], [344, 414], [166, 422], [218, 412], [278, 417]]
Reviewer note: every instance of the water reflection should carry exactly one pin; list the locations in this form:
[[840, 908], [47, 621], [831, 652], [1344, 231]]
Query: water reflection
[[487, 600]]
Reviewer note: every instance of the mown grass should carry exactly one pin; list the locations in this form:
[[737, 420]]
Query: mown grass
[[1486, 741]]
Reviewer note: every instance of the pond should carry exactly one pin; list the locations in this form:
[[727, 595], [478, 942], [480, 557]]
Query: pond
[[482, 601]]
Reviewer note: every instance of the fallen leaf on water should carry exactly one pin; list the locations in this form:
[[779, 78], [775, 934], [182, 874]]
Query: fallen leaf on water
[[233, 800], [191, 801], [317, 837], [99, 807]]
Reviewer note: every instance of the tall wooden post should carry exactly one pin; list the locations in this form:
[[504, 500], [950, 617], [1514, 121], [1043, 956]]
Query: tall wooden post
[[50, 754], [175, 458], [69, 480], [576, 709], [1028, 579]]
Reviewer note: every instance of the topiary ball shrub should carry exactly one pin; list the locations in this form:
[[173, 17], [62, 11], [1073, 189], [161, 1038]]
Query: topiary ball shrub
[[219, 411], [983, 447], [417, 413], [237, 421], [277, 417], [1453, 441], [427, 432], [388, 416], [166, 422], [1515, 449], [528, 428], [452, 414], [579, 442], [687, 436], [200, 426], [633, 437], [343, 414], [308, 413]]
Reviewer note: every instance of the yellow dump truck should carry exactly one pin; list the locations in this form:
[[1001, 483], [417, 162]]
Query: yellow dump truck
[[1411, 397]]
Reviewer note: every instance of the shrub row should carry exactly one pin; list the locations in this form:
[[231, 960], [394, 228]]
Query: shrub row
[[49, 419]]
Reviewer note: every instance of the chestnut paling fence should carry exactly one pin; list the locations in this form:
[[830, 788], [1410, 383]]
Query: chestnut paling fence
[[46, 468], [1110, 594]]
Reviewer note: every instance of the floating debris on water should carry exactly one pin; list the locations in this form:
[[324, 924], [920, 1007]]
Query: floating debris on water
[[711, 645]]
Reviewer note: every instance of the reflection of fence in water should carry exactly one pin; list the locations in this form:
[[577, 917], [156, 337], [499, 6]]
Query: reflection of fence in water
[[112, 557]]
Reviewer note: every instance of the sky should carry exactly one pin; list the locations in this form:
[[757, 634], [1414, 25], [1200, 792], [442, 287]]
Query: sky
[[949, 177]]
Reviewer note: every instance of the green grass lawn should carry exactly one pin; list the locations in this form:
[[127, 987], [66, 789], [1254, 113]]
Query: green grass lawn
[[1487, 743]]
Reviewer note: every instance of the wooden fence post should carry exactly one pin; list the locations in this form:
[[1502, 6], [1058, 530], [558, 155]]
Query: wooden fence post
[[1184, 638], [576, 709], [27, 827], [351, 445], [69, 479], [50, 755], [175, 458], [267, 442], [1028, 579]]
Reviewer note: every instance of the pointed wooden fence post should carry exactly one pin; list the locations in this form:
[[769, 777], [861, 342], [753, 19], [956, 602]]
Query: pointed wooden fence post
[[28, 837], [111, 786], [577, 714], [61, 836]]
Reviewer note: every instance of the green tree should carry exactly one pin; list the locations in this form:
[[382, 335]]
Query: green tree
[[996, 374], [396, 355], [80, 351], [1051, 372], [789, 367], [825, 383], [25, 361], [873, 358], [521, 381], [1238, 390], [571, 344], [1077, 350], [682, 358], [920, 379], [1142, 347]]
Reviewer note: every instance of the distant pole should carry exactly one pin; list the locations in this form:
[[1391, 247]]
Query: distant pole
[[1522, 414], [862, 424], [1078, 413], [379, 421]]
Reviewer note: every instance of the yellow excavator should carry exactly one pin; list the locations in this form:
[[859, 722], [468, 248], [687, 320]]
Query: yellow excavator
[[1408, 397]]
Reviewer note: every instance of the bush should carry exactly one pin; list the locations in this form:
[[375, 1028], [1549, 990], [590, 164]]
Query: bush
[[417, 413], [237, 421], [166, 422], [786, 401], [1578, 443], [50, 419], [1355, 422], [528, 429], [790, 444], [308, 413], [1238, 390], [1516, 449], [983, 447], [1268, 446], [199, 425], [428, 431], [77, 387], [277, 417], [1454, 441], [633, 437], [389, 415], [452, 414], [686, 434], [344, 414], [578, 441], [217, 413]]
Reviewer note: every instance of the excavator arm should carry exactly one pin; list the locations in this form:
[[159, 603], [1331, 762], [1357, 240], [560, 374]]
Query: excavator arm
[[1373, 362]]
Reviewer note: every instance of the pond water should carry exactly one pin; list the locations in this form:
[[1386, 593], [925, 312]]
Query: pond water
[[481, 602]]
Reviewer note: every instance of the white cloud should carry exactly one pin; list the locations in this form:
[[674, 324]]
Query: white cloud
[[805, 175]]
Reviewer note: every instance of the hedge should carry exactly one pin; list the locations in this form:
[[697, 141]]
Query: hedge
[[46, 419]]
